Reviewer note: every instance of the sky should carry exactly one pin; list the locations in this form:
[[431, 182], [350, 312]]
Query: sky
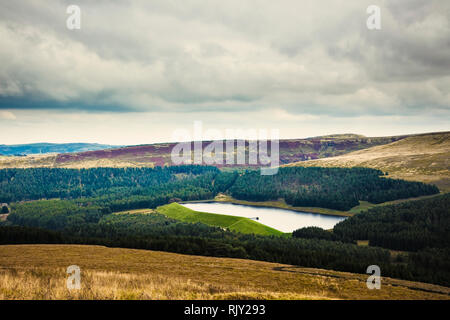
[[138, 71]]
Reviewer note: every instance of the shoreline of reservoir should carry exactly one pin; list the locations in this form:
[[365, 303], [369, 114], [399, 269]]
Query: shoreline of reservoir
[[281, 219], [278, 204]]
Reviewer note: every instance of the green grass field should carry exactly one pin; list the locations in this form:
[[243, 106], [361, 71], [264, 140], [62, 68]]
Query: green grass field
[[238, 224]]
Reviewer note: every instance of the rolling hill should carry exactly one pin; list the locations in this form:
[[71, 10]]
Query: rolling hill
[[234, 223], [424, 157], [42, 148], [419, 157], [39, 272], [159, 154]]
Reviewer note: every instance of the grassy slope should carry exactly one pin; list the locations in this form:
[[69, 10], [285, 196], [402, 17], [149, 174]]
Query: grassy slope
[[421, 158], [365, 205], [39, 272], [136, 211], [159, 154], [239, 224]]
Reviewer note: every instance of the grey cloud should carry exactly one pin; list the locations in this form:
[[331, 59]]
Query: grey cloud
[[414, 44], [190, 56]]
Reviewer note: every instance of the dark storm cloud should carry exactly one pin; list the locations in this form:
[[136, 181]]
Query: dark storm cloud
[[25, 103], [305, 57]]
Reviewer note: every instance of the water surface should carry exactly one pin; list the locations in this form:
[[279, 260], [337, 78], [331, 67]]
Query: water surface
[[280, 219]]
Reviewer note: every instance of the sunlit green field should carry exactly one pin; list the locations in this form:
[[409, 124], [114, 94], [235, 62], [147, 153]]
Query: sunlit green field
[[238, 224]]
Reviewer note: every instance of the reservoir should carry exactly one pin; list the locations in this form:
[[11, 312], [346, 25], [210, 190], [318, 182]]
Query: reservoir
[[280, 219]]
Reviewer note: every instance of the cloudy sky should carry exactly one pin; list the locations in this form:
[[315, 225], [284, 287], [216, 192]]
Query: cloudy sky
[[137, 71]]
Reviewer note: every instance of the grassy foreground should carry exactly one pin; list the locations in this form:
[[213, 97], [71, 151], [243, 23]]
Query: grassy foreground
[[238, 224], [38, 272]]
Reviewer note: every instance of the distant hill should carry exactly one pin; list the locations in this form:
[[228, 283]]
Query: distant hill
[[339, 136], [159, 154], [42, 148], [423, 157]]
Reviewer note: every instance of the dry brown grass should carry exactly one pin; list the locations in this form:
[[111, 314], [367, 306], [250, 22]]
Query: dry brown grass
[[47, 283], [38, 272], [49, 161]]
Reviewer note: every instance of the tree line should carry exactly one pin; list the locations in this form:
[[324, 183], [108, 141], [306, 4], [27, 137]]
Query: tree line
[[63, 221], [334, 188], [420, 228], [90, 196], [131, 188], [48, 183], [408, 226]]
